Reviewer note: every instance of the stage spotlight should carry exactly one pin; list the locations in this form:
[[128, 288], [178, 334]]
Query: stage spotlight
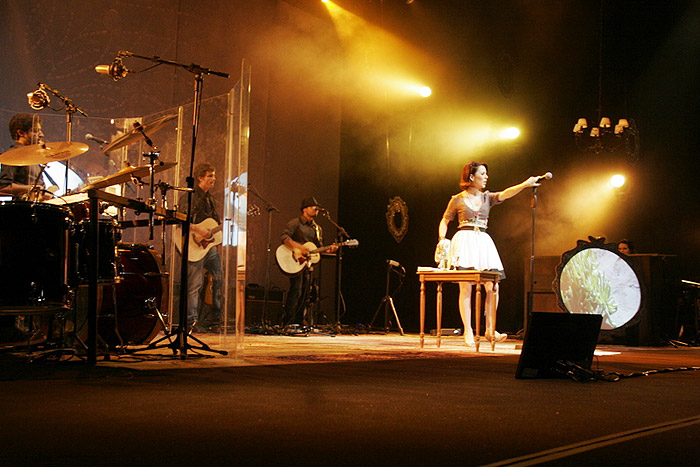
[[617, 180], [399, 86], [419, 89], [509, 133]]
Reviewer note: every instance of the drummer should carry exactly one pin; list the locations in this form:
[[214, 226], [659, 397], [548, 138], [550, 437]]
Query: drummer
[[18, 181]]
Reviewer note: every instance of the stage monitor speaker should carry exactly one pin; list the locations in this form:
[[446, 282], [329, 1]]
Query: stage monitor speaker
[[554, 341]]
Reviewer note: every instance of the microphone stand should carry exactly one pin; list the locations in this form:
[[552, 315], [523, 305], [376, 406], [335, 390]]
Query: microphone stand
[[70, 110], [180, 343], [270, 209], [342, 233], [531, 292]]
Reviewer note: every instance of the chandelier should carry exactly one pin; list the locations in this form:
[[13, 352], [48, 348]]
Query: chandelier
[[605, 137]]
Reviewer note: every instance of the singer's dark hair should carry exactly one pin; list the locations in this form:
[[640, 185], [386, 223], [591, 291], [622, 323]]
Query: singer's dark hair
[[470, 169], [22, 122], [200, 170]]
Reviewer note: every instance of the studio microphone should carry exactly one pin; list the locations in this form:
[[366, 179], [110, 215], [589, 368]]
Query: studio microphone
[[39, 98], [544, 177], [116, 70], [100, 141]]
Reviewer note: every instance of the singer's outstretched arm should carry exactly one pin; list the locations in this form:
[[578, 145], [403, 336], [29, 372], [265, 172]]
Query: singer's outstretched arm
[[515, 189]]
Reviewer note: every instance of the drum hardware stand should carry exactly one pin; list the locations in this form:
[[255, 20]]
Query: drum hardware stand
[[264, 322], [388, 300], [152, 156], [33, 194], [151, 305]]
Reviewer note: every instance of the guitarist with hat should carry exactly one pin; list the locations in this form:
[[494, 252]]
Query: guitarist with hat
[[301, 230]]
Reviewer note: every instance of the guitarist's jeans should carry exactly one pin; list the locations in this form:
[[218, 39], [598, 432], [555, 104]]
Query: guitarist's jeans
[[296, 298], [212, 263]]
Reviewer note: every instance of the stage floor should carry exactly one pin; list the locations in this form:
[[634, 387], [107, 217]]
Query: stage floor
[[347, 400], [320, 347]]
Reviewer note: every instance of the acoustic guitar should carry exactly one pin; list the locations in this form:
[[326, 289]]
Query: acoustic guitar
[[291, 261], [199, 245]]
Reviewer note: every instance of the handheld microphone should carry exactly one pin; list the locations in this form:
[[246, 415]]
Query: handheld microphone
[[544, 177], [100, 141]]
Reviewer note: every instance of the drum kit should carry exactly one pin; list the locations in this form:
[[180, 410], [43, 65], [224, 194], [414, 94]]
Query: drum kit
[[44, 254]]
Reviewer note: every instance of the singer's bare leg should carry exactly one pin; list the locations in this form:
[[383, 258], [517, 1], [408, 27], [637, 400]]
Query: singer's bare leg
[[465, 310], [492, 295]]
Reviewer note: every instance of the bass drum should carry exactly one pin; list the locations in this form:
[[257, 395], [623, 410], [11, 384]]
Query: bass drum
[[127, 313]]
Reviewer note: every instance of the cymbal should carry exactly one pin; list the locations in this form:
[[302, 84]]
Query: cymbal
[[33, 154], [126, 174], [133, 135]]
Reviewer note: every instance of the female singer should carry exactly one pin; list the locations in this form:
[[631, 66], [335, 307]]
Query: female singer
[[471, 246]]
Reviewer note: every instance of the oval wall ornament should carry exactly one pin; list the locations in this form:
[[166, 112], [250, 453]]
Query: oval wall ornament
[[397, 218]]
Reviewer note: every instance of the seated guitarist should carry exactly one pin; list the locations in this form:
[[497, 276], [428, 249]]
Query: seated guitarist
[[203, 208], [300, 230]]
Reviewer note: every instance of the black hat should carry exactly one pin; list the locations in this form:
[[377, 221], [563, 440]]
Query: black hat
[[311, 201]]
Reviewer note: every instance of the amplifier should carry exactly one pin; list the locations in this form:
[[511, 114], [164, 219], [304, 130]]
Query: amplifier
[[255, 300], [256, 292]]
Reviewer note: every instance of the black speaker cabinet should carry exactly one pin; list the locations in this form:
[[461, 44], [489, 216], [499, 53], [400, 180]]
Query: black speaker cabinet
[[553, 339], [255, 302]]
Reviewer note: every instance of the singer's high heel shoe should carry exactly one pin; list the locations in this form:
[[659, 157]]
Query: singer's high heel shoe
[[499, 337]]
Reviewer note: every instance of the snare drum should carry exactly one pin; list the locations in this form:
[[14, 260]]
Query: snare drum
[[34, 239], [78, 204]]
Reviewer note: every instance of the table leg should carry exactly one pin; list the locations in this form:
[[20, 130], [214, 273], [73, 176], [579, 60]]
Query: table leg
[[477, 315], [438, 330], [492, 311], [422, 310]]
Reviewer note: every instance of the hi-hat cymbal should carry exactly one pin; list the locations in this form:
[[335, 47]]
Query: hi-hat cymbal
[[43, 153], [126, 174], [133, 135]]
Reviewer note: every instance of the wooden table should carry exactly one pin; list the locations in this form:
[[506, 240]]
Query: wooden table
[[471, 276]]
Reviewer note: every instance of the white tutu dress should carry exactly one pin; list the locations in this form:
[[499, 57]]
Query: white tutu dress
[[471, 247]]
